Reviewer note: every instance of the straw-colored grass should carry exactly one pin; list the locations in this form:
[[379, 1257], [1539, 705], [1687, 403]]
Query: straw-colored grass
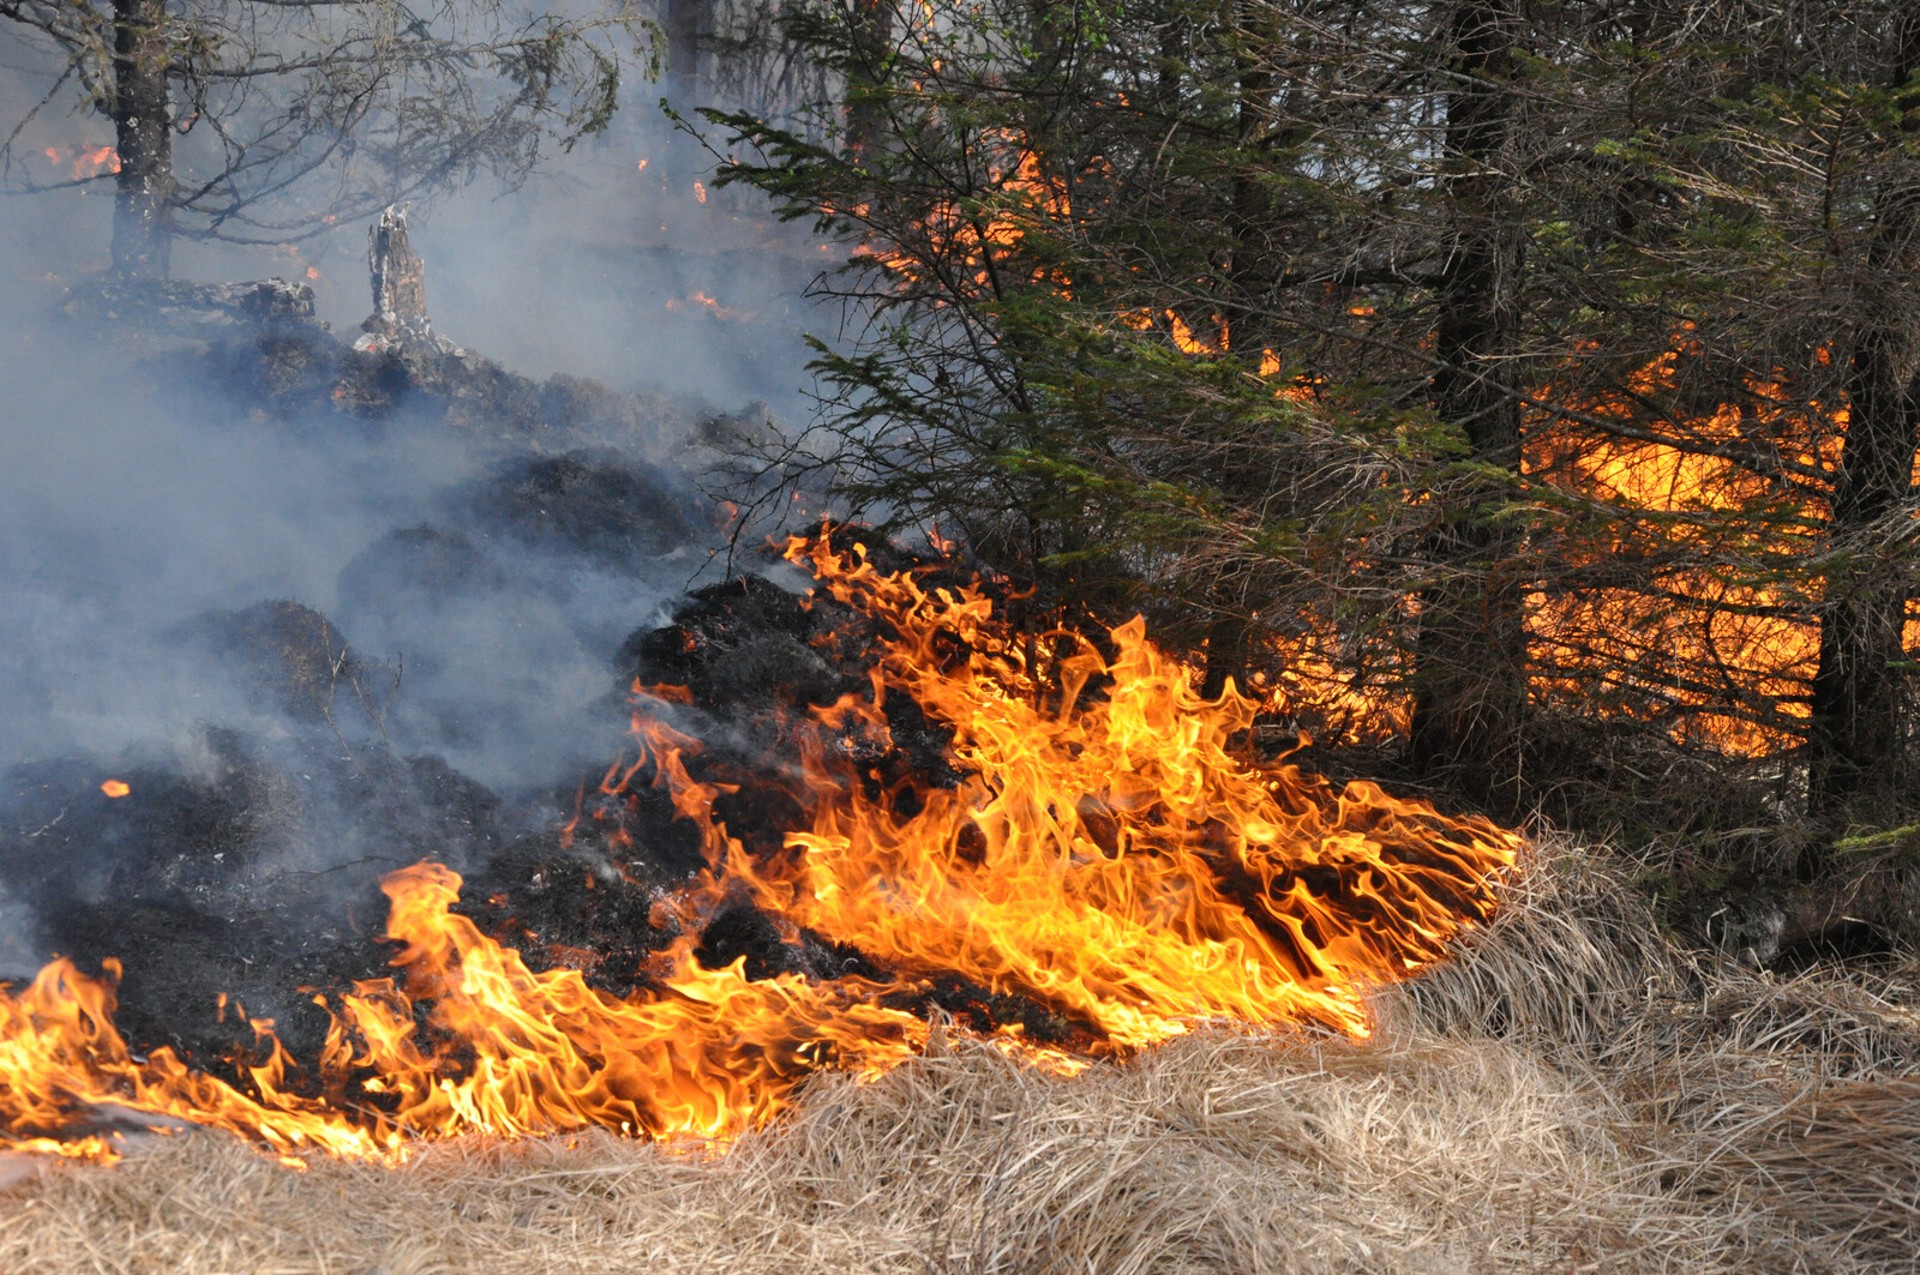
[[1570, 1095]]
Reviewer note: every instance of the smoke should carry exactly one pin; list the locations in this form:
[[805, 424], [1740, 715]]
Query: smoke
[[624, 272], [131, 504], [129, 509], [327, 641]]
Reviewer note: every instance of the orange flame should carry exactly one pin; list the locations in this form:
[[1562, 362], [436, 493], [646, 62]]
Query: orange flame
[[115, 787], [1108, 853], [1711, 659], [1188, 343], [1723, 663], [84, 161], [512, 1051], [701, 301], [968, 242], [1106, 856]]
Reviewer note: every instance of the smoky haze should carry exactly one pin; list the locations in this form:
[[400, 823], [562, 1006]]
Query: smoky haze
[[164, 544], [130, 503]]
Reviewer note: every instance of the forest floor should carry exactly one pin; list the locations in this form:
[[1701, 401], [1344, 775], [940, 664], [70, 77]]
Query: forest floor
[[1572, 1093]]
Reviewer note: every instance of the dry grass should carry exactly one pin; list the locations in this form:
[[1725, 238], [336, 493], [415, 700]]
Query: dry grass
[[1570, 1095]]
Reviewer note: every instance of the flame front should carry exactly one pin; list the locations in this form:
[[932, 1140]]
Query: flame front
[[705, 1052], [1105, 855]]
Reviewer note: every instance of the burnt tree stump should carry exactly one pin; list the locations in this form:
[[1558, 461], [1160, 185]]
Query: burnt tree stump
[[399, 319]]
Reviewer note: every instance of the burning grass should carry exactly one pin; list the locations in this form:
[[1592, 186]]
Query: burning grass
[[1572, 1094], [1223, 1153], [1094, 852]]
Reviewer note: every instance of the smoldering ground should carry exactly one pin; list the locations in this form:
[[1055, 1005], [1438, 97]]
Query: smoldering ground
[[313, 647], [321, 635]]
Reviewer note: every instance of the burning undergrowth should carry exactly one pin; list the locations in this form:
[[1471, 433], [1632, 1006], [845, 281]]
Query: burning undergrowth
[[1572, 1092], [844, 817]]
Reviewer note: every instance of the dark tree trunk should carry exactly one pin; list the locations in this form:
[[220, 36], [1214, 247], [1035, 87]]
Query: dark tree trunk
[[873, 23], [1251, 218], [1860, 688], [1249, 278], [1855, 738], [1470, 689], [686, 24], [1173, 32], [143, 135]]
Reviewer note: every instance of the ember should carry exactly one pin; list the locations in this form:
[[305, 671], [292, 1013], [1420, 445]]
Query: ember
[[1092, 846]]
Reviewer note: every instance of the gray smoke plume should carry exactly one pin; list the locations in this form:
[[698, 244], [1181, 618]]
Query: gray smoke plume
[[318, 641]]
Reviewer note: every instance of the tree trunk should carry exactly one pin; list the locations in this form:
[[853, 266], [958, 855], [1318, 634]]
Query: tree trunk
[[1855, 738], [873, 23], [1249, 272], [143, 134], [686, 22], [1470, 689], [1173, 29]]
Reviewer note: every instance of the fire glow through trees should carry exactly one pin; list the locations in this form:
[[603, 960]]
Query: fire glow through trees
[[1099, 850]]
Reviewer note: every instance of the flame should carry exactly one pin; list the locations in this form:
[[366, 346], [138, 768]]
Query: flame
[[115, 787], [1188, 343], [967, 242], [1315, 680], [1708, 657], [500, 1049], [84, 161], [700, 300], [700, 191], [1105, 855], [1302, 389], [1721, 662], [1109, 854]]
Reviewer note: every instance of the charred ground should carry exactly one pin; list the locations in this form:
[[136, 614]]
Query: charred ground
[[238, 876]]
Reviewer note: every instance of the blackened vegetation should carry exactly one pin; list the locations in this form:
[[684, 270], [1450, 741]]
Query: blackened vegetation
[[297, 372], [222, 871], [590, 502], [261, 347], [238, 876], [421, 568], [305, 755], [287, 655], [753, 660]]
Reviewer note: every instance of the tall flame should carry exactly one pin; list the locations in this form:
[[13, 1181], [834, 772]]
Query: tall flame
[[1105, 854]]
